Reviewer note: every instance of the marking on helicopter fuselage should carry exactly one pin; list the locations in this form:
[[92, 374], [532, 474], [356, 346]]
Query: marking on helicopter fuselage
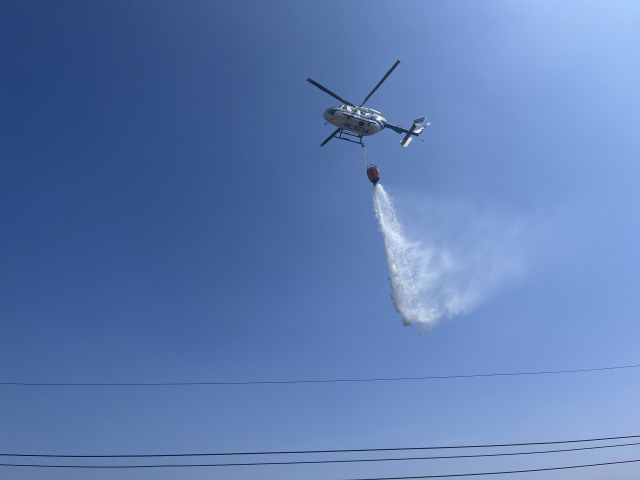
[[356, 128]]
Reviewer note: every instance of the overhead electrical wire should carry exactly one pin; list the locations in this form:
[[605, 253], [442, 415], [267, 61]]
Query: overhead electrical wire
[[342, 450], [300, 462], [506, 472], [292, 382], [451, 475]]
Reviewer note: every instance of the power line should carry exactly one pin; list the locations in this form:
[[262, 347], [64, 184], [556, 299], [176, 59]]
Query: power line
[[477, 474], [293, 382], [452, 475], [310, 462], [309, 452]]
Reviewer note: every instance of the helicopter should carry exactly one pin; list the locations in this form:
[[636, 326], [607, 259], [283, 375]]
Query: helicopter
[[357, 121]]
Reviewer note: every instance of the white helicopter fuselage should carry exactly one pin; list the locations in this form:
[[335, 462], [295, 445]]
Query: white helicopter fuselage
[[360, 120]]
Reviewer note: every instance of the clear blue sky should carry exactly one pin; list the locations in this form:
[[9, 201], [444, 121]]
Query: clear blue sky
[[167, 215]]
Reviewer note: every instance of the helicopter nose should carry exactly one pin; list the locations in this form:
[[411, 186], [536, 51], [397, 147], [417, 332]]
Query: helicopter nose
[[329, 113]]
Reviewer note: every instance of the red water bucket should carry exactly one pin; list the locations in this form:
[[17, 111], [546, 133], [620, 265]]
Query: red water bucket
[[373, 174]]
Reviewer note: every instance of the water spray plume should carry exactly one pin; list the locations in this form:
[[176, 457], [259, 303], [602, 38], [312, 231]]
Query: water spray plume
[[445, 274], [401, 262]]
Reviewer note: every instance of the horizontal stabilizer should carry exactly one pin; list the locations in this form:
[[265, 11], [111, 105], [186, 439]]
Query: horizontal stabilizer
[[406, 140], [416, 129]]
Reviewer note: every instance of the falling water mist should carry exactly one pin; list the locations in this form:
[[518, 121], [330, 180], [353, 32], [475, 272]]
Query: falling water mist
[[450, 270]]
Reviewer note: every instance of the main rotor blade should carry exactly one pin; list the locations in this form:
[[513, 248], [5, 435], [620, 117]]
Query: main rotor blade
[[326, 90], [381, 81], [330, 137]]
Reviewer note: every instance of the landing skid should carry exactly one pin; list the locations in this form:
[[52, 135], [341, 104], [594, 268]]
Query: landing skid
[[344, 135], [341, 134]]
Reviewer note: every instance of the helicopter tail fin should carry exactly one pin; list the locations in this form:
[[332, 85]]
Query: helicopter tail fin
[[416, 129]]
